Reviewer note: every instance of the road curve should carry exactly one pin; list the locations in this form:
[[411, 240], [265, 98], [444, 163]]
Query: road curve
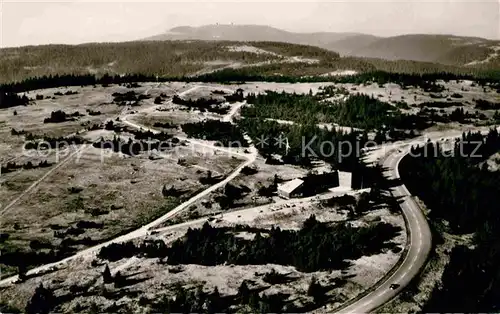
[[420, 242]]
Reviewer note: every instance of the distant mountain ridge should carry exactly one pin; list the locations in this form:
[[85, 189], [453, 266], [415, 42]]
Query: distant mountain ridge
[[445, 49], [248, 33]]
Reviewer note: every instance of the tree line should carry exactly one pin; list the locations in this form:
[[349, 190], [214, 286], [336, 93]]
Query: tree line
[[426, 80], [316, 246], [357, 110], [202, 104], [11, 99], [12, 166], [300, 144], [48, 142], [226, 133]]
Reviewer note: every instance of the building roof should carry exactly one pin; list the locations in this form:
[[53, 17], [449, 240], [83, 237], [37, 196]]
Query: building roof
[[290, 186]]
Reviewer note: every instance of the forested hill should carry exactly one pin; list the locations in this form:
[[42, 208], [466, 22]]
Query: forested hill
[[444, 49], [186, 58], [169, 58]]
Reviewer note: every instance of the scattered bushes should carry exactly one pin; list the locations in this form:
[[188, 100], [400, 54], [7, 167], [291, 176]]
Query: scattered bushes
[[42, 301], [61, 116], [12, 166], [275, 278], [160, 142], [158, 100], [248, 171], [202, 104], [165, 125], [128, 98], [93, 113], [16, 132], [482, 104], [47, 142]]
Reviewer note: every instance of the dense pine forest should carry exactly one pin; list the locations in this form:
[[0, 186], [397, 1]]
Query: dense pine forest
[[381, 76], [426, 81], [358, 110], [168, 58], [177, 59], [456, 188], [183, 58], [316, 246], [225, 133], [304, 142], [307, 111]]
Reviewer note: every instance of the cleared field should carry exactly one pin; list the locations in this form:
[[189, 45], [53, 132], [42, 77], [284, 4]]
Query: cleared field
[[82, 200], [116, 193]]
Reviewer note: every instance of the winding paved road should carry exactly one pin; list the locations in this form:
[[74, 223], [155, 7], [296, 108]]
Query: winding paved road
[[420, 238], [420, 242]]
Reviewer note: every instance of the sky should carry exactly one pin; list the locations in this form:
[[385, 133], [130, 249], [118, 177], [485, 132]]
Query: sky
[[41, 22]]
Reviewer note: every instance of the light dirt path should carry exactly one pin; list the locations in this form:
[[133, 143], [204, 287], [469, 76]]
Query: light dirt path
[[142, 231], [40, 180]]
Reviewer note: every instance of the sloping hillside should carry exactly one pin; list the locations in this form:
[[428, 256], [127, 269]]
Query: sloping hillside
[[195, 58], [428, 48], [164, 58], [249, 33], [445, 49], [352, 44]]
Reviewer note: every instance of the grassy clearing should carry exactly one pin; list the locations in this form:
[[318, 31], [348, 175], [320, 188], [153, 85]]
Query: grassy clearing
[[119, 193], [155, 278]]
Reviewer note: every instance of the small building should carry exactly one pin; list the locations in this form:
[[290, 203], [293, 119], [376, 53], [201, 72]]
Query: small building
[[344, 182], [345, 179], [290, 189]]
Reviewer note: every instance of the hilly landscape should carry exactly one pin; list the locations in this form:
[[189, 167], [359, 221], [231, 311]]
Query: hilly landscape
[[256, 50], [444, 49], [188, 58], [248, 169]]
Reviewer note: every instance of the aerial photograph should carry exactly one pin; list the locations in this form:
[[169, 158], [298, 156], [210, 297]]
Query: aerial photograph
[[250, 157]]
